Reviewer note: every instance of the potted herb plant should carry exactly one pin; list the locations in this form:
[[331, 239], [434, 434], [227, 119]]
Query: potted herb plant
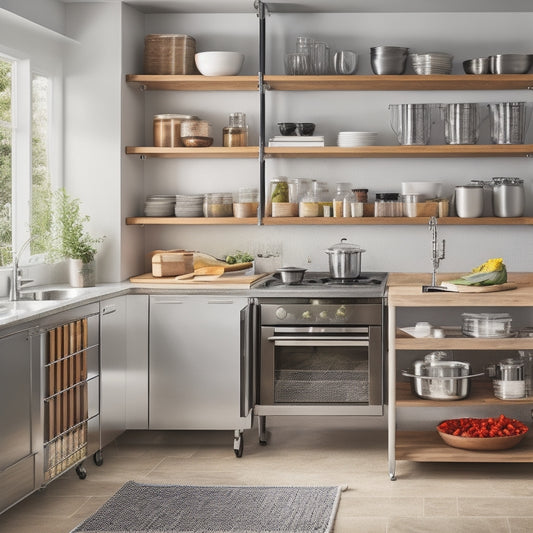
[[69, 239]]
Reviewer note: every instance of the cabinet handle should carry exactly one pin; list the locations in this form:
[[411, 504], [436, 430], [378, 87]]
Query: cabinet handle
[[109, 310], [219, 301]]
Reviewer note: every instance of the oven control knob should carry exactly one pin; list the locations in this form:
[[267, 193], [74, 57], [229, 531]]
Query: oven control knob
[[281, 313]]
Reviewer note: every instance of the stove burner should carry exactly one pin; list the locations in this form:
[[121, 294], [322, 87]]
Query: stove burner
[[322, 280]]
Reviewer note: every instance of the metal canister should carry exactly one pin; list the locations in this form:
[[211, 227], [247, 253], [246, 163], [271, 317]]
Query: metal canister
[[469, 201], [508, 199]]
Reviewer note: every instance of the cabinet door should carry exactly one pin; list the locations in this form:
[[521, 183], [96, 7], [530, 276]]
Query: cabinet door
[[195, 362], [15, 399], [113, 368]]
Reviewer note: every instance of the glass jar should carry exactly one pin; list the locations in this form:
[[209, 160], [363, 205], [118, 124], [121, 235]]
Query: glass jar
[[321, 192], [361, 195], [339, 200], [278, 197], [218, 204], [309, 205], [236, 133], [196, 133], [167, 129], [388, 204]]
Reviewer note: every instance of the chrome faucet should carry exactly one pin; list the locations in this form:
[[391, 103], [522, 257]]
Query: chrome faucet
[[16, 282], [437, 253]]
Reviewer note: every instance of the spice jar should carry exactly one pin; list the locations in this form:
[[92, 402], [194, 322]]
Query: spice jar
[[236, 133], [361, 195], [340, 206], [388, 204], [167, 129]]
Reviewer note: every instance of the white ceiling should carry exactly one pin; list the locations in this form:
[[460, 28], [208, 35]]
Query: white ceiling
[[327, 6]]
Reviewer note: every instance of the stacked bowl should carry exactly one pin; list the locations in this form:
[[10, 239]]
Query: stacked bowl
[[346, 139], [432, 63], [189, 205], [159, 205], [388, 59]]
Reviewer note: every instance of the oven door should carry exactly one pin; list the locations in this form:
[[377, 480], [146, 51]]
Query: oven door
[[321, 366]]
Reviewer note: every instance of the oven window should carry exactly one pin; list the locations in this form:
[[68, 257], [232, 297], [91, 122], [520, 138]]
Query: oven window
[[334, 374]]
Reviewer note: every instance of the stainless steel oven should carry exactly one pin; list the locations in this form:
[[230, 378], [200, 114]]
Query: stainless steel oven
[[320, 350]]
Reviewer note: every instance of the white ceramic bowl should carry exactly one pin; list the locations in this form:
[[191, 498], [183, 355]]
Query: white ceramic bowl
[[219, 63], [428, 189]]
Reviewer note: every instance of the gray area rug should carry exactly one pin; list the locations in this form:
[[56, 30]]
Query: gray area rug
[[141, 508]]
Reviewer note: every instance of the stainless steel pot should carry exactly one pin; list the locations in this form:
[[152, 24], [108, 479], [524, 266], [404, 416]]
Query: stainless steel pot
[[508, 197], [344, 260], [440, 380], [291, 275]]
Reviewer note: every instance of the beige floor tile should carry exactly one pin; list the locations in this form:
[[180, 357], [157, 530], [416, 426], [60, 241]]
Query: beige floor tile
[[446, 507], [521, 525], [496, 506], [449, 525]]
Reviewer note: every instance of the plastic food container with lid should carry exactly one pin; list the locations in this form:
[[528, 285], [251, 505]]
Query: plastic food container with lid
[[489, 325]]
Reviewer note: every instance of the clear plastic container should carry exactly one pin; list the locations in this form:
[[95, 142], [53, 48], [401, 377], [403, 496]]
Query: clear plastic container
[[388, 204], [486, 325]]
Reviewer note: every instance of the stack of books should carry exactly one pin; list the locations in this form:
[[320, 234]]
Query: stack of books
[[300, 141]]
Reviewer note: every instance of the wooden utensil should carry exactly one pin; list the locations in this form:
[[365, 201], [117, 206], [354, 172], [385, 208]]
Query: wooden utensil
[[213, 272]]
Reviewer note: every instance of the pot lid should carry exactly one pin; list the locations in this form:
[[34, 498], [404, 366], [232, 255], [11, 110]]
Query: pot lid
[[344, 247], [291, 269]]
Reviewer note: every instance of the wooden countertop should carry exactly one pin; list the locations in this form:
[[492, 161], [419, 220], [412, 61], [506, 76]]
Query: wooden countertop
[[405, 290]]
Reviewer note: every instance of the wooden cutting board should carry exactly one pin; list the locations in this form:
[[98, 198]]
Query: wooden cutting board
[[224, 281], [473, 289]]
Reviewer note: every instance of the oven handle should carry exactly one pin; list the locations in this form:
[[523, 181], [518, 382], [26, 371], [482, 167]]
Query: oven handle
[[319, 341]]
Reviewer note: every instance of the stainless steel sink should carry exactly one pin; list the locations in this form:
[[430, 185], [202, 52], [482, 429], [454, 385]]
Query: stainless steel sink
[[52, 294]]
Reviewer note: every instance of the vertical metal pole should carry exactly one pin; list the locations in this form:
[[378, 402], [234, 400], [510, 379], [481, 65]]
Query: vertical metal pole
[[261, 14]]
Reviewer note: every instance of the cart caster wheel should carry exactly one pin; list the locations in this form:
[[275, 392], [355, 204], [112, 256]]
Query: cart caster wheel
[[238, 446], [98, 458], [81, 471]]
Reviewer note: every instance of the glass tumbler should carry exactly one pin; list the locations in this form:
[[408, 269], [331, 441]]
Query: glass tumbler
[[320, 58], [296, 64], [345, 62]]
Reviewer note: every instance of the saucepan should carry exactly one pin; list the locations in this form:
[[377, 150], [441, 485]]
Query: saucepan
[[291, 275]]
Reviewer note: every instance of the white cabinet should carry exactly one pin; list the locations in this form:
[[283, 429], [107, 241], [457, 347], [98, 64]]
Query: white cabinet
[[198, 363], [16, 459], [113, 368]]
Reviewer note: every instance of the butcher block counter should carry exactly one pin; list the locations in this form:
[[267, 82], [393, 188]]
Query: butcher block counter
[[405, 290]]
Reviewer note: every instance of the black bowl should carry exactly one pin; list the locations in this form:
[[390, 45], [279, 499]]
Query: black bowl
[[306, 128], [287, 128]]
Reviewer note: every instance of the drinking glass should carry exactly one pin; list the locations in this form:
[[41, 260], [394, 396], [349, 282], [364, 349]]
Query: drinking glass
[[296, 64], [345, 62], [320, 58]]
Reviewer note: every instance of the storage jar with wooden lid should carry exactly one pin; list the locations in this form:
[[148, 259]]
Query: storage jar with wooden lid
[[169, 54], [167, 129]]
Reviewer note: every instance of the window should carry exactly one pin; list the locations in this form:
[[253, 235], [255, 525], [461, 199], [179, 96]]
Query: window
[[25, 176]]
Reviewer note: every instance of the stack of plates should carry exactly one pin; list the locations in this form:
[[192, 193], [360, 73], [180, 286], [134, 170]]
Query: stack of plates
[[159, 205], [189, 205], [432, 63], [346, 139]]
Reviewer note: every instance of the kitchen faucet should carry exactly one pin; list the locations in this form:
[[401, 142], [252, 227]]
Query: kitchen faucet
[[437, 254], [16, 282]]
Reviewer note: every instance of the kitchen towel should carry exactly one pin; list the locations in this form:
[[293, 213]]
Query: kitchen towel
[[139, 507]]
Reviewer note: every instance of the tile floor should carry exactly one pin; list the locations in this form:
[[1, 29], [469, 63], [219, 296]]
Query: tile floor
[[459, 498]]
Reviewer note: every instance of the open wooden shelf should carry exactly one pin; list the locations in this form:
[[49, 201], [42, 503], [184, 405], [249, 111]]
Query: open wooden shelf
[[481, 393], [404, 82], [427, 446], [396, 221], [466, 343], [182, 221], [211, 152], [427, 151], [168, 82]]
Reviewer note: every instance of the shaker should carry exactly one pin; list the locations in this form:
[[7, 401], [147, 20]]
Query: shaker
[[469, 201]]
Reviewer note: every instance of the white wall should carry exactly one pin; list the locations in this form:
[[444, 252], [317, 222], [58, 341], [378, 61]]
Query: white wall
[[394, 248]]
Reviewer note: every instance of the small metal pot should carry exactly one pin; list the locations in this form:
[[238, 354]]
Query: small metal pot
[[291, 275], [344, 260], [440, 380]]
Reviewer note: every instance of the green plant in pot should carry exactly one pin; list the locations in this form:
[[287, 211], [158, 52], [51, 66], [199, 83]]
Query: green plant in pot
[[68, 238]]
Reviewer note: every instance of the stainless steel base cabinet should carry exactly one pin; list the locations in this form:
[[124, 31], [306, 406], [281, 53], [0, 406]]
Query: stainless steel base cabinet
[[16, 450], [199, 363]]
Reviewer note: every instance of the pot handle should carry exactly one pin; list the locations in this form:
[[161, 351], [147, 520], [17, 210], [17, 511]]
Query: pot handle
[[407, 374]]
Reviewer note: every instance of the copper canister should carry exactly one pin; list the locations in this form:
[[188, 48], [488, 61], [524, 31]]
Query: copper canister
[[167, 129], [169, 54]]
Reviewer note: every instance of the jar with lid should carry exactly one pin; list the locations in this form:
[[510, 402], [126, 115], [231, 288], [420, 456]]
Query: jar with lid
[[278, 197], [218, 204], [236, 133], [245, 203], [321, 192], [508, 197], [196, 133], [361, 195], [341, 206], [388, 204], [469, 201], [167, 129], [309, 205]]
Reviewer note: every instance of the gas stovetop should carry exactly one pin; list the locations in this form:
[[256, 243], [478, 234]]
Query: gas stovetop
[[370, 284]]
